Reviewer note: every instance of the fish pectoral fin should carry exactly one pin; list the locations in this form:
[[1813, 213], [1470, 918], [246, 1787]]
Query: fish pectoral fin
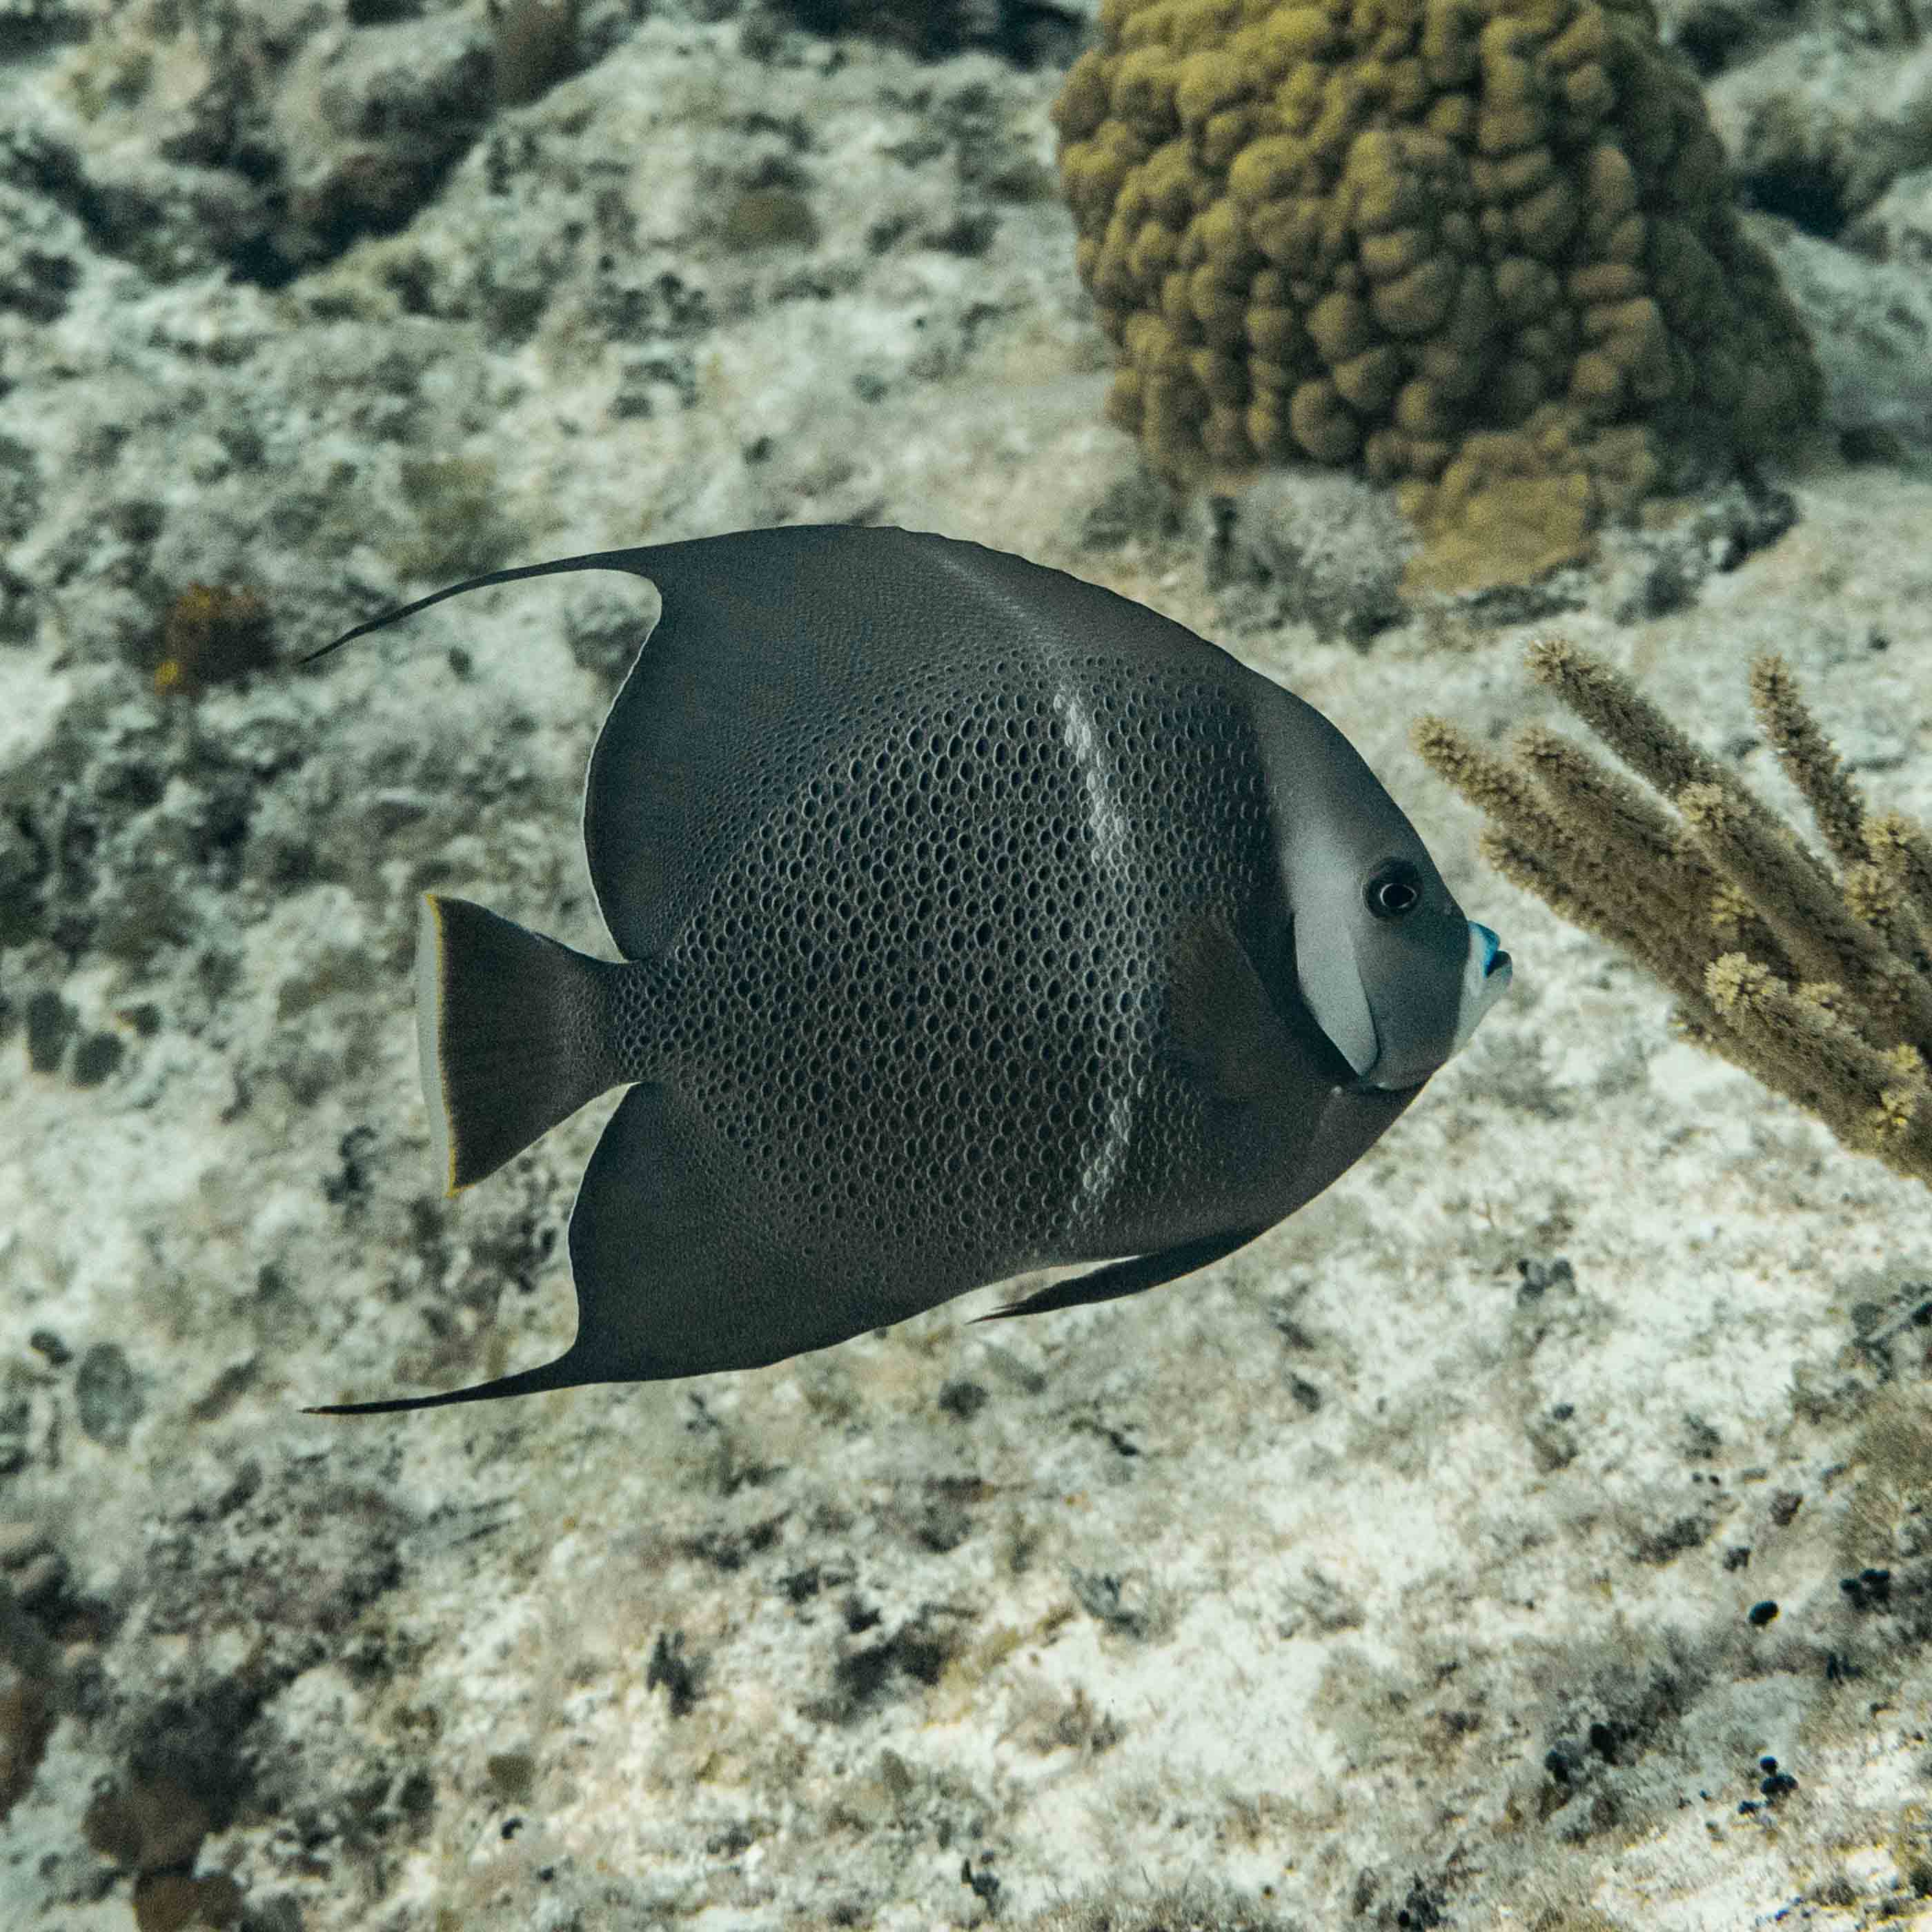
[[1128, 1277], [1223, 1030]]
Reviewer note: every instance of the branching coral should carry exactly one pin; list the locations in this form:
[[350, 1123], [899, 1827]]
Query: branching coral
[[1483, 248], [1812, 974]]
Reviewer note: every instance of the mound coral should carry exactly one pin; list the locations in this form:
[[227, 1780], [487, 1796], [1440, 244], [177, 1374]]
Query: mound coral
[[1482, 248]]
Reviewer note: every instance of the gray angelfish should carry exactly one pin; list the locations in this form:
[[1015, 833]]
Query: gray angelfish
[[973, 920]]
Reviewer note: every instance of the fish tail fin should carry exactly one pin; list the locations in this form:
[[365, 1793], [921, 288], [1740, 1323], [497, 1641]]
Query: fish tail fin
[[516, 1032]]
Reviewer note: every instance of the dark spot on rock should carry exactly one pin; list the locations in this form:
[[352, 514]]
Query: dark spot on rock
[[1667, 1544], [51, 1022], [984, 1886], [107, 1399], [921, 1649], [1538, 1276], [1872, 443], [1099, 1593], [96, 1057], [50, 1348], [968, 233], [1027, 33], [535, 47], [1710, 34], [1421, 1910], [727, 1549], [923, 1653], [512, 1773], [681, 1676], [175, 1902], [415, 1796], [36, 283], [348, 1182], [962, 1399], [1808, 191], [1869, 1590], [945, 1522], [860, 1673], [802, 1584], [16, 1416], [26, 1722]]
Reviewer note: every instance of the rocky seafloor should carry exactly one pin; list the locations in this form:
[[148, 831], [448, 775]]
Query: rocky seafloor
[[1399, 1572]]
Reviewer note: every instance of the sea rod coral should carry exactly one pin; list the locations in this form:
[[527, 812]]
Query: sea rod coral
[[1813, 975]]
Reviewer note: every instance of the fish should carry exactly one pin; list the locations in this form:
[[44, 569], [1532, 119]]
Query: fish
[[972, 919]]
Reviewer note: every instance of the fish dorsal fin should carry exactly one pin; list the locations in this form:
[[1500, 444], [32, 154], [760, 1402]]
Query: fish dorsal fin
[[769, 647], [602, 560], [772, 649], [776, 647]]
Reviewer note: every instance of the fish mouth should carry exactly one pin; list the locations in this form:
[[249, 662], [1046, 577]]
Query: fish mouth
[[1486, 973], [1365, 1085], [1494, 959]]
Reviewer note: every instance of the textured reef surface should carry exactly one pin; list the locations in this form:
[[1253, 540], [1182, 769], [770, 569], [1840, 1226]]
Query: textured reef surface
[[1536, 1529]]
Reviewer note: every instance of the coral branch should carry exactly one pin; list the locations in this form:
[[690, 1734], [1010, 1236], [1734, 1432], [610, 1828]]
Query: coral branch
[[1817, 982]]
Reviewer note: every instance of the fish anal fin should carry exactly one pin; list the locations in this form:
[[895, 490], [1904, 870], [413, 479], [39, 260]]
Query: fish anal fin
[[679, 1270], [562, 1373]]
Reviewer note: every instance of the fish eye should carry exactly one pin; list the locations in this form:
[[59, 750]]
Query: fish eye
[[1394, 887]]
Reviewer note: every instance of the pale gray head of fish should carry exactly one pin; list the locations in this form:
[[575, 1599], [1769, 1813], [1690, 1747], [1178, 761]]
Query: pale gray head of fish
[[1394, 974]]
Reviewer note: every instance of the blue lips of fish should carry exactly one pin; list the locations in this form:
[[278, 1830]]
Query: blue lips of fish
[[971, 919]]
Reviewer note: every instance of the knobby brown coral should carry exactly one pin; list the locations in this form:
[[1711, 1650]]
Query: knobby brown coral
[[1484, 248], [1813, 975]]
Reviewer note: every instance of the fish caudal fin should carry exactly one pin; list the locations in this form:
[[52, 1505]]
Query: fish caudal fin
[[515, 1032]]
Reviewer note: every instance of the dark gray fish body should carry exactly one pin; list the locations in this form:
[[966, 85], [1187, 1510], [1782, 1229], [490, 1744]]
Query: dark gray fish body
[[975, 920]]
